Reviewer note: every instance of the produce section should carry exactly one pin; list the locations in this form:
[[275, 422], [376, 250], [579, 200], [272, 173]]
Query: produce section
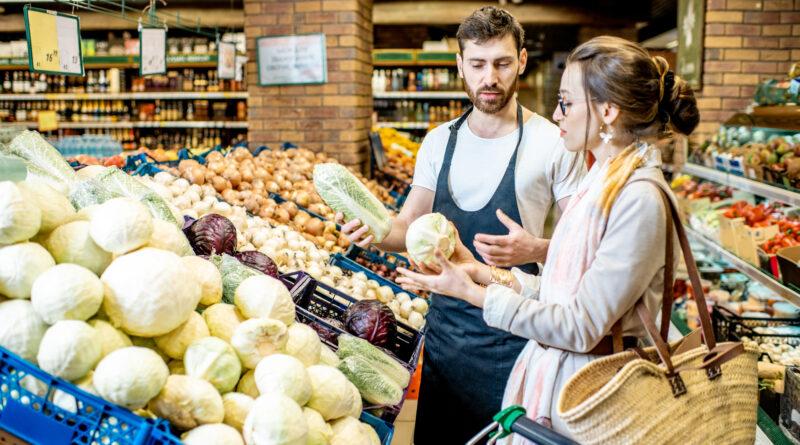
[[109, 251]]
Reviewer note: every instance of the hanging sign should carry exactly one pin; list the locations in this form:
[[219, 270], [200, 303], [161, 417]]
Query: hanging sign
[[48, 120], [295, 59], [54, 42], [152, 51], [226, 60], [241, 65]]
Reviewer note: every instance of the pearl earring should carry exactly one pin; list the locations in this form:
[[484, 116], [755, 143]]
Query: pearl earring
[[606, 136]]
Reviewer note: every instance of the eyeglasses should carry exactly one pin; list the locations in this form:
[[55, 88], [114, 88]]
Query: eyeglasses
[[562, 105], [565, 105]]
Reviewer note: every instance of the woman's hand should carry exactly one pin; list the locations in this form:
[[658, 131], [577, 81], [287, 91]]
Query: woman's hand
[[451, 280], [461, 257]]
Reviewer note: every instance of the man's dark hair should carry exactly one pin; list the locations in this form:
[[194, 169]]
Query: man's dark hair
[[487, 23]]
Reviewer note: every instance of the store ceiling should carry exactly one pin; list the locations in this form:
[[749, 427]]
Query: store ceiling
[[648, 17]]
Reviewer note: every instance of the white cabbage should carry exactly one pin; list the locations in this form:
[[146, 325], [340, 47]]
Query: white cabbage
[[281, 373], [428, 233], [20, 265], [66, 292], [214, 360]]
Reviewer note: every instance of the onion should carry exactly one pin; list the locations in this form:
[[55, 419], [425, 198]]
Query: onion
[[219, 184], [315, 227], [282, 215]]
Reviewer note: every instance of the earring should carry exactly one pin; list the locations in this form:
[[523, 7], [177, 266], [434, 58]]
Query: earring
[[606, 136]]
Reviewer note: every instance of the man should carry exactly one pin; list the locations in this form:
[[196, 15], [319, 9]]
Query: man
[[495, 173]]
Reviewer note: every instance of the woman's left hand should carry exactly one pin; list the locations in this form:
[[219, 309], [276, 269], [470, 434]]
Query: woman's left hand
[[452, 281]]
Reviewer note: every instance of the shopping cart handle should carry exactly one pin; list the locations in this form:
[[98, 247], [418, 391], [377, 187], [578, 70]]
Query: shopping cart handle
[[538, 433]]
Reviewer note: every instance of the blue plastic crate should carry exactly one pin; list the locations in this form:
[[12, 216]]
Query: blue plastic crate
[[346, 263], [384, 429], [28, 411], [323, 307], [375, 256]]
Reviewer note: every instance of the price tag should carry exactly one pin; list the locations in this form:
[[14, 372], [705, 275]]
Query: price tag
[[226, 60], [54, 42], [48, 120], [152, 51], [241, 64]]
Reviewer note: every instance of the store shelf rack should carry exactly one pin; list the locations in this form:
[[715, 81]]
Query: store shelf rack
[[420, 95], [746, 268], [404, 125], [162, 95], [744, 184], [173, 61], [146, 124], [412, 57]]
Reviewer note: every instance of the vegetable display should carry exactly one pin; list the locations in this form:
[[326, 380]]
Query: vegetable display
[[106, 292]]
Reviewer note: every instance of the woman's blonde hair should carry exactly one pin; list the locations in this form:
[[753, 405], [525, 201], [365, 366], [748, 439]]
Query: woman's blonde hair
[[652, 100]]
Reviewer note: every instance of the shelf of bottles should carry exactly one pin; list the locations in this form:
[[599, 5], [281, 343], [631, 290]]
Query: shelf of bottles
[[416, 98], [120, 99]]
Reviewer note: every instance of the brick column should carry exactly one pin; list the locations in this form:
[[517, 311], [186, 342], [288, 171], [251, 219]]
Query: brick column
[[746, 42], [333, 117]]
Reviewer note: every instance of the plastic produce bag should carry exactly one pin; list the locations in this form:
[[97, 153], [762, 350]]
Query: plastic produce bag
[[120, 183], [33, 148], [343, 192]]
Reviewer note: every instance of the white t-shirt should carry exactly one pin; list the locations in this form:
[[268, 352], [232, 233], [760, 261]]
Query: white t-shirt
[[478, 166]]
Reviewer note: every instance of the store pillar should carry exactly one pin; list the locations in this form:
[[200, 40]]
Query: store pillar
[[333, 117], [746, 43]]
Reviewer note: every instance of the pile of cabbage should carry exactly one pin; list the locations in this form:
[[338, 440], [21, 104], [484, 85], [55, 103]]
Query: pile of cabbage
[[103, 289]]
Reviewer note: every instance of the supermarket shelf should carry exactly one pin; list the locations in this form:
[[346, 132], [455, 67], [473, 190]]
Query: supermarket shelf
[[166, 95], [90, 62], [746, 268], [420, 95], [154, 124], [412, 57], [744, 184], [404, 125]]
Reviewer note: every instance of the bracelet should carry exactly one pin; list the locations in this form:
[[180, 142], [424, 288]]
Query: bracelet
[[502, 277]]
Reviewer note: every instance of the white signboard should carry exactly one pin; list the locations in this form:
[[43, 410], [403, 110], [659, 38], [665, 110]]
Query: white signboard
[[241, 66], [295, 59], [152, 51], [226, 60]]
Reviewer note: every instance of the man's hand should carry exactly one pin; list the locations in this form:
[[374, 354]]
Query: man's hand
[[357, 233], [517, 248]]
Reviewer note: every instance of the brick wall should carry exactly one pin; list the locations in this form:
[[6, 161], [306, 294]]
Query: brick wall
[[746, 42], [333, 117]]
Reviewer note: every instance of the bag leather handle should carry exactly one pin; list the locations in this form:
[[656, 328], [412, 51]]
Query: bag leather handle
[[716, 356]]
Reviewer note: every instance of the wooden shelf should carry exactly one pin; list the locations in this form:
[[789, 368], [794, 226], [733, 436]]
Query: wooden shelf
[[92, 62], [163, 95]]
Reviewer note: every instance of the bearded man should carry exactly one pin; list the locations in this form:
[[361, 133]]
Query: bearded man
[[495, 172]]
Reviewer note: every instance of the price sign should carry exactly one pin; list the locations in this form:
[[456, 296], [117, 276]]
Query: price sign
[[292, 60], [152, 51], [241, 64], [48, 120], [226, 60], [54, 42]]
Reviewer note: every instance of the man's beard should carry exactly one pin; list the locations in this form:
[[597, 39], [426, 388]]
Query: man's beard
[[494, 105]]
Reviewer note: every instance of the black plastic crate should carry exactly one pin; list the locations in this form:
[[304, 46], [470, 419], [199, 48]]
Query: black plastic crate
[[729, 326], [323, 307]]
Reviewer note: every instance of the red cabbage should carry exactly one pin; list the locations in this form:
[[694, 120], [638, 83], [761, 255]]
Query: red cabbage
[[258, 261], [212, 234], [371, 320]]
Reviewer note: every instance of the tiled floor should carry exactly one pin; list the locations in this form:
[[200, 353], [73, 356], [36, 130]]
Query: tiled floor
[[404, 425]]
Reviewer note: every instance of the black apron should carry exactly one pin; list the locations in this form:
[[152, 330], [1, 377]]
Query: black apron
[[466, 363]]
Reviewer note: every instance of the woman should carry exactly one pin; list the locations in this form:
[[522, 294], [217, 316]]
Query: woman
[[607, 250]]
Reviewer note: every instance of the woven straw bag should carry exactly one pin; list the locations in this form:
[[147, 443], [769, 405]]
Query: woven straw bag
[[677, 393]]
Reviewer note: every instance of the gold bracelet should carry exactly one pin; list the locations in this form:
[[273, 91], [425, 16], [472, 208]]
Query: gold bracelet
[[501, 276]]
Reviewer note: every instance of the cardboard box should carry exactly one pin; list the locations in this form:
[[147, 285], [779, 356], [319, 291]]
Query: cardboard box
[[787, 262]]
